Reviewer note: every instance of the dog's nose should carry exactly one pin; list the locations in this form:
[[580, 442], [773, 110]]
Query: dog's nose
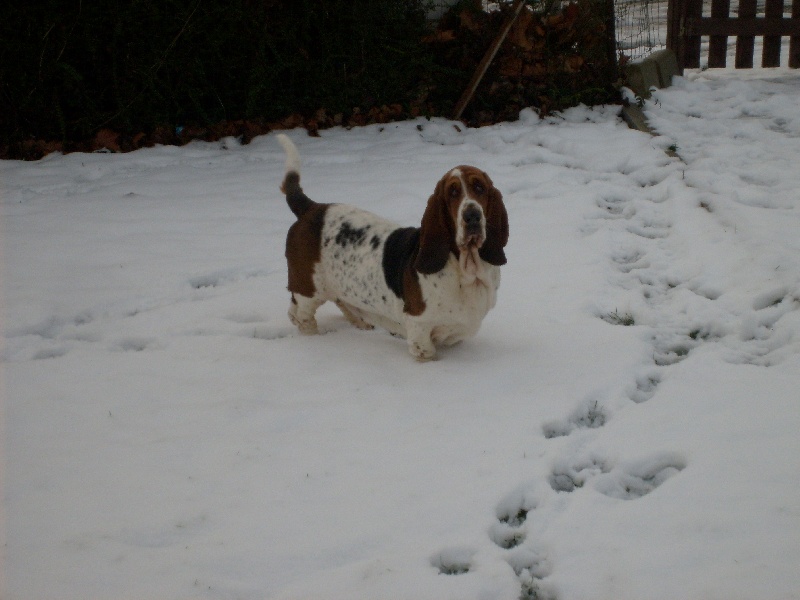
[[472, 217]]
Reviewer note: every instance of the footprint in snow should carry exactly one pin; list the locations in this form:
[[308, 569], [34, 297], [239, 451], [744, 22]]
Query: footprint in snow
[[627, 482], [644, 387], [589, 415], [531, 568], [629, 259], [453, 561], [650, 230], [135, 344], [52, 337], [48, 353], [613, 207], [509, 533], [636, 479], [568, 477]]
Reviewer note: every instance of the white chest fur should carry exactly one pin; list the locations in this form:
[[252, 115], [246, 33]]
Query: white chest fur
[[457, 301]]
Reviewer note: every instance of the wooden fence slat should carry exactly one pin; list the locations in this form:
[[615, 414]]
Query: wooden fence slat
[[693, 10], [675, 17], [794, 41], [771, 56], [745, 43], [743, 27], [718, 44]]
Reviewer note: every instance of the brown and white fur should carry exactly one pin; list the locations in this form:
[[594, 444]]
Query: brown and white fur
[[432, 285]]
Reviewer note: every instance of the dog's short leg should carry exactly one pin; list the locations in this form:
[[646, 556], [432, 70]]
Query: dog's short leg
[[351, 316], [420, 344], [301, 313]]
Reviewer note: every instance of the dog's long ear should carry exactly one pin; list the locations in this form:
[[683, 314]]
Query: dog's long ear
[[496, 229], [435, 234]]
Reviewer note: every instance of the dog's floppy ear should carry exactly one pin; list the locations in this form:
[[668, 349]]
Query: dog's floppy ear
[[435, 234], [496, 228]]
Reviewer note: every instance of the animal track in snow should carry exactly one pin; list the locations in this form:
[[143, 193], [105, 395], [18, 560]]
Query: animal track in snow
[[510, 533], [531, 569], [512, 513], [569, 477], [588, 415], [506, 536], [627, 482], [650, 230], [50, 338], [645, 387], [47, 329], [615, 208], [55, 352], [453, 561], [639, 478], [627, 260], [670, 355], [135, 344]]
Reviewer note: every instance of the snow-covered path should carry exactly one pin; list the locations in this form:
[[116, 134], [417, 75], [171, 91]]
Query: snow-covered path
[[623, 426]]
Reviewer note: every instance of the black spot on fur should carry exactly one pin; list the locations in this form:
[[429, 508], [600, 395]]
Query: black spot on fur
[[375, 242], [399, 250], [349, 235]]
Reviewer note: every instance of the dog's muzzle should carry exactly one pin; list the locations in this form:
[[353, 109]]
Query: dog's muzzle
[[472, 217]]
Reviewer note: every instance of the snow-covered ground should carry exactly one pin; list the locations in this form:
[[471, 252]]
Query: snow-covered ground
[[624, 426]]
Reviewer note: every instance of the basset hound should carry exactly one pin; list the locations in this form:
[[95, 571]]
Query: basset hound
[[432, 284]]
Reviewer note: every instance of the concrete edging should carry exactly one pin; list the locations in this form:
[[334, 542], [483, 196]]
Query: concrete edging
[[657, 70]]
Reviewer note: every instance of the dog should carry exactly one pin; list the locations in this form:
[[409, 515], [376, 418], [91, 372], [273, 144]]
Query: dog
[[431, 285]]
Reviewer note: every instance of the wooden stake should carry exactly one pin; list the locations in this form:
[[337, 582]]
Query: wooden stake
[[480, 71]]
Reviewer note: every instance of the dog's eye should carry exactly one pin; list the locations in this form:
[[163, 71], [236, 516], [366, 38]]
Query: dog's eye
[[454, 191], [478, 187]]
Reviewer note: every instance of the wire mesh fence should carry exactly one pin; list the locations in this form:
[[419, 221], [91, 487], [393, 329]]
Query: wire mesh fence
[[641, 27]]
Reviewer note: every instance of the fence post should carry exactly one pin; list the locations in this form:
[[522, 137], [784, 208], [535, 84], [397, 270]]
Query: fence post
[[675, 12], [692, 14], [772, 43], [612, 57], [718, 44], [745, 43], [794, 41]]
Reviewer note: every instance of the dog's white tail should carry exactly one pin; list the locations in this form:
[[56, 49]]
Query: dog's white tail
[[292, 156]]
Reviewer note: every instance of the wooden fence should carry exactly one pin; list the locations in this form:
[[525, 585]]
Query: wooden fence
[[686, 25]]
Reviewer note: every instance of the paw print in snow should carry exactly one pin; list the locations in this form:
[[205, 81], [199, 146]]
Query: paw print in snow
[[637, 479]]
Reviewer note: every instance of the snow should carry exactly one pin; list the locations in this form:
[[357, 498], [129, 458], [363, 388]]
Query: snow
[[623, 426]]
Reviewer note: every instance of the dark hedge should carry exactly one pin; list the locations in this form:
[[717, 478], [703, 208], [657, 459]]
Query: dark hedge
[[68, 69], [120, 75]]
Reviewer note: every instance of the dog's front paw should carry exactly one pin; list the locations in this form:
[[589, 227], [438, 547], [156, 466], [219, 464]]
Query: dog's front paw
[[306, 327], [422, 352]]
